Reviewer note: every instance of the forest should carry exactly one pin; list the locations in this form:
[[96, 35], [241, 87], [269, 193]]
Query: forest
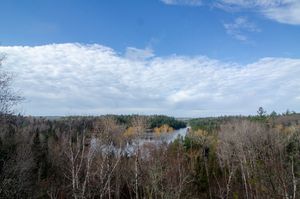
[[87, 157]]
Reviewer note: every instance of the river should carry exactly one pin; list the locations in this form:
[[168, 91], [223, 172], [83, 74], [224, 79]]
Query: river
[[147, 138], [163, 138]]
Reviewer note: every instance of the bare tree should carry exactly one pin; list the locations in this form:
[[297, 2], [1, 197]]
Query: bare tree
[[8, 97], [108, 143], [79, 157], [139, 123], [257, 153], [16, 169]]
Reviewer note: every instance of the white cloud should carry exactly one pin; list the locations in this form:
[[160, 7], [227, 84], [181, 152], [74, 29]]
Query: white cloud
[[240, 27], [255, 3], [283, 11], [183, 2], [63, 79], [289, 14], [138, 54]]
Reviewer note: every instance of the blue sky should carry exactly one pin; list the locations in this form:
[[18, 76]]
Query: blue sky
[[239, 36], [167, 29]]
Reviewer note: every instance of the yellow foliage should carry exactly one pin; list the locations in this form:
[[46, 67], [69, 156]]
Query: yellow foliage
[[130, 132], [279, 127], [163, 129], [199, 133], [288, 130], [203, 137]]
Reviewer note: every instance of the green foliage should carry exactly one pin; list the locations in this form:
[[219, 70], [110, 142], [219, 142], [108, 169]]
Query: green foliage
[[260, 117], [273, 114], [293, 152], [206, 124], [261, 112], [159, 120], [153, 120]]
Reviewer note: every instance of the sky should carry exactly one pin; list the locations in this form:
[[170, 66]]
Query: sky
[[184, 58]]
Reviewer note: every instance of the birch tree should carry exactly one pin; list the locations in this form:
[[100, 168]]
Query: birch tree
[[8, 97]]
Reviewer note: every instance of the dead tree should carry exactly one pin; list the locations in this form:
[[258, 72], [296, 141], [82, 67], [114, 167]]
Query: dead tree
[[8, 97], [139, 124], [79, 160]]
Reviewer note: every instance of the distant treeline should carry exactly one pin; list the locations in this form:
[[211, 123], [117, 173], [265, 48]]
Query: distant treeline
[[98, 157], [153, 121], [211, 124]]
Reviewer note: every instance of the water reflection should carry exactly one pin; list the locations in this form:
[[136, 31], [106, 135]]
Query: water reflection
[[146, 139], [164, 137]]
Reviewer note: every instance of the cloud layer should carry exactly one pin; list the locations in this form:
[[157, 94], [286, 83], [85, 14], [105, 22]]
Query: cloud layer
[[183, 2], [240, 27], [65, 79], [282, 11]]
